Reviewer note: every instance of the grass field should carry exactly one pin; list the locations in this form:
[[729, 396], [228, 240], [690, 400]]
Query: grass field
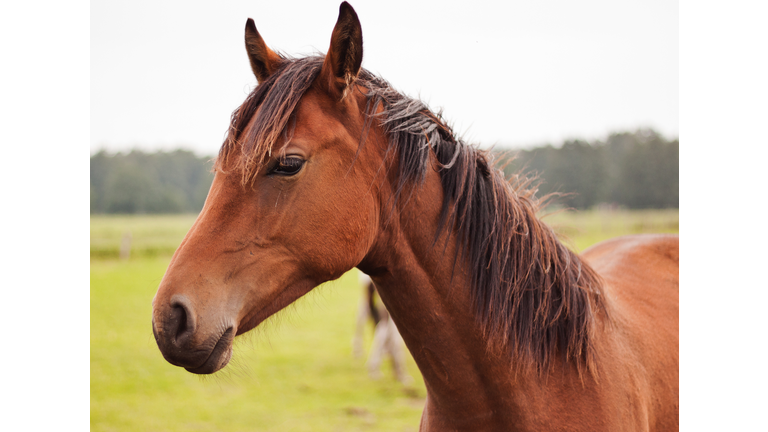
[[295, 373]]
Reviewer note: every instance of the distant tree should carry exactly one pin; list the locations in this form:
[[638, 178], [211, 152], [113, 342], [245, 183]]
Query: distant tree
[[139, 182], [636, 170], [646, 170], [101, 166]]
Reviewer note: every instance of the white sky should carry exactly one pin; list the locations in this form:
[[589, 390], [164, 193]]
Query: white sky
[[168, 74]]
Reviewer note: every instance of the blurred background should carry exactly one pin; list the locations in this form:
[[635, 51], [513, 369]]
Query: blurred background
[[583, 94]]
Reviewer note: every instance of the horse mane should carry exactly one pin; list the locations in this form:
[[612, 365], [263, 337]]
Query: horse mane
[[533, 297]]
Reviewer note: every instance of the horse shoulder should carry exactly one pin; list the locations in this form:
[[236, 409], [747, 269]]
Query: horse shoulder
[[641, 275]]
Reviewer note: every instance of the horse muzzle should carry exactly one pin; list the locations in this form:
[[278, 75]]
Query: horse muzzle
[[184, 341]]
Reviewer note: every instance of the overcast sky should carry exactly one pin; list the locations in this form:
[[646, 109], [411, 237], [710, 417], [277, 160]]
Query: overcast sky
[[169, 74]]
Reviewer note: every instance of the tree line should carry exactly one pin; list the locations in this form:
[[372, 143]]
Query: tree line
[[631, 169], [139, 182], [635, 170]]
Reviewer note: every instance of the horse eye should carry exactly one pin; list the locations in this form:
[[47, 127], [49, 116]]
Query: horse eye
[[288, 166]]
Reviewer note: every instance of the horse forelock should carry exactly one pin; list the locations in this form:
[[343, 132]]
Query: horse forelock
[[258, 124], [533, 297]]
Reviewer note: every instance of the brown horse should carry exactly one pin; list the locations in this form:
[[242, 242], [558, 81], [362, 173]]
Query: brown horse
[[326, 167]]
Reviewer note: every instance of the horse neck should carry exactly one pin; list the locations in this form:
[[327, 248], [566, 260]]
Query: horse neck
[[428, 298]]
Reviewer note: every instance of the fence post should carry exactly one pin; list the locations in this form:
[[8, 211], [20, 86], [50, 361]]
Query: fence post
[[125, 246]]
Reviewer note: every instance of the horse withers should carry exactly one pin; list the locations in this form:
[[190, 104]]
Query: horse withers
[[326, 167]]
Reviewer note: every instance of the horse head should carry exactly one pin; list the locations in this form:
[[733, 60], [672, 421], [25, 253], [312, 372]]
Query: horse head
[[287, 210]]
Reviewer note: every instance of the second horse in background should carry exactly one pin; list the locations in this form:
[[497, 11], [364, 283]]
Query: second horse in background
[[386, 338]]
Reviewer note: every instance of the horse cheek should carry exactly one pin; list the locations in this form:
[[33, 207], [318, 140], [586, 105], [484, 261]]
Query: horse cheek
[[342, 232]]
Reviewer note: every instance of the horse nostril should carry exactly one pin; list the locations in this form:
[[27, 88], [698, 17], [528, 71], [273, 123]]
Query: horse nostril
[[182, 322]]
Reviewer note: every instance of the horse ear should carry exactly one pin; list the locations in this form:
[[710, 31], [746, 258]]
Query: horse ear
[[264, 61], [345, 56]]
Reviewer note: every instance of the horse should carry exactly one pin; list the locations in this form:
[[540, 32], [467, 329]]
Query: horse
[[386, 337], [326, 167]]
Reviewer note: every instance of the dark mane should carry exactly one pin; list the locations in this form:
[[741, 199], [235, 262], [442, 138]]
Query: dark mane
[[533, 297]]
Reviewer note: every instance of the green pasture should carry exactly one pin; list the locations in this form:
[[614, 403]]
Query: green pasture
[[581, 229], [148, 235], [294, 373]]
